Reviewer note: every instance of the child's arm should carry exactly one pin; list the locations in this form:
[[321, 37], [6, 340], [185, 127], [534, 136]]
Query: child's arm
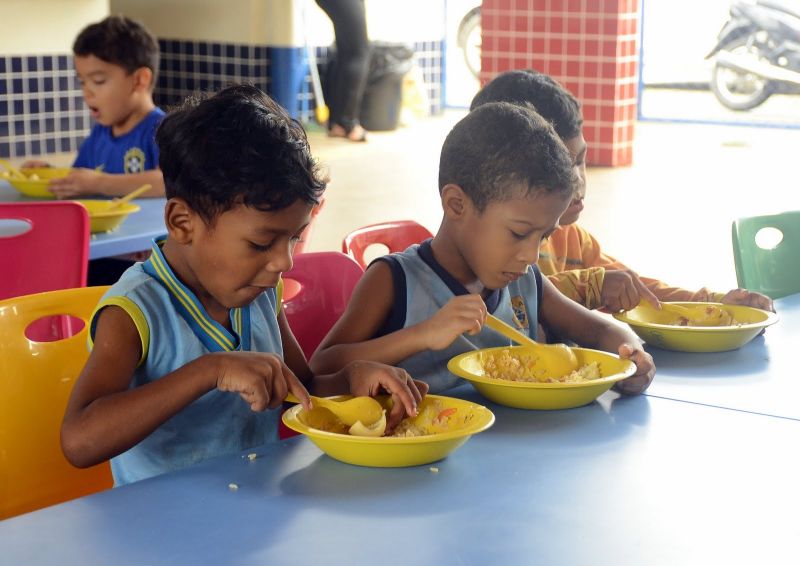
[[82, 181], [748, 299], [590, 329], [105, 417], [351, 338]]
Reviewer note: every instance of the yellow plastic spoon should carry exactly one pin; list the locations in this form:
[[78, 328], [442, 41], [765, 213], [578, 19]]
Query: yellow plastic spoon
[[364, 409], [13, 170], [559, 359], [130, 196]]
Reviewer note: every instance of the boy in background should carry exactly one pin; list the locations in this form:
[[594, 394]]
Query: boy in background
[[192, 354], [116, 60], [505, 178], [571, 258]]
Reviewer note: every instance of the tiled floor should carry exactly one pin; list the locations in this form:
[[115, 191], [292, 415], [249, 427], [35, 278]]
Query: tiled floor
[[667, 216]]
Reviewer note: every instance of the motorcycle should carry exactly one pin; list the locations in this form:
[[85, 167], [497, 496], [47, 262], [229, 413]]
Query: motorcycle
[[469, 40], [757, 53]]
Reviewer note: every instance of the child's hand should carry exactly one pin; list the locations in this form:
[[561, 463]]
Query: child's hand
[[77, 182], [262, 380], [645, 370], [465, 313], [623, 290], [748, 299], [31, 163], [372, 378]]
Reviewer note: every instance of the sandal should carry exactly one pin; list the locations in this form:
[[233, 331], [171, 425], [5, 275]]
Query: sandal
[[354, 134]]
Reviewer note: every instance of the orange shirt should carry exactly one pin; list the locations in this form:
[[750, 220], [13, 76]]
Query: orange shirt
[[573, 261]]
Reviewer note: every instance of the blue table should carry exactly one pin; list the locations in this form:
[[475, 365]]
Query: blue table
[[135, 234], [622, 481], [761, 377]]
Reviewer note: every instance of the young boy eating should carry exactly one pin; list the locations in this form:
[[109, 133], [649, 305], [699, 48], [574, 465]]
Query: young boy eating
[[505, 178], [116, 60], [192, 354], [571, 257]]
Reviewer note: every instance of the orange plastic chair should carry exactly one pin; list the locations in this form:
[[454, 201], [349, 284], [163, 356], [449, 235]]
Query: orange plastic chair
[[325, 281], [36, 379], [44, 246], [396, 236]]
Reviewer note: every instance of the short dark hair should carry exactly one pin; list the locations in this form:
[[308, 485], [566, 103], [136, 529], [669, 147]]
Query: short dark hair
[[499, 146], [551, 100], [120, 41], [237, 146]]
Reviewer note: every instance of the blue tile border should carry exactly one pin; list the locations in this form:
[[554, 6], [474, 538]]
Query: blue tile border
[[41, 106], [42, 109]]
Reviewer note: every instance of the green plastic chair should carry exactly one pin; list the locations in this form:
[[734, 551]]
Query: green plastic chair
[[766, 250]]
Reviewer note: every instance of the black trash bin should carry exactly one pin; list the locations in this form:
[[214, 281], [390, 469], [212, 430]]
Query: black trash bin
[[383, 94], [383, 97]]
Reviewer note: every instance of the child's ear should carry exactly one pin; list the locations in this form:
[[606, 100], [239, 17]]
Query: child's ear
[[454, 201], [143, 79], [180, 220]]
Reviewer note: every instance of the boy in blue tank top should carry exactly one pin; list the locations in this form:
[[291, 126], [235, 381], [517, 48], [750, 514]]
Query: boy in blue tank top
[[505, 178], [116, 60], [192, 355]]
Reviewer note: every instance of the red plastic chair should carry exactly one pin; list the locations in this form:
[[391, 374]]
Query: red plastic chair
[[305, 237], [44, 246], [325, 282], [396, 236], [321, 284]]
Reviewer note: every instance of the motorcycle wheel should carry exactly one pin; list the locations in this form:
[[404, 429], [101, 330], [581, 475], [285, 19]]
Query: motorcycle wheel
[[737, 90], [469, 40]]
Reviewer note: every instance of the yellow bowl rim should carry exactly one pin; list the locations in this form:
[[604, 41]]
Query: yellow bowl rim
[[771, 319], [290, 419], [125, 208], [454, 362]]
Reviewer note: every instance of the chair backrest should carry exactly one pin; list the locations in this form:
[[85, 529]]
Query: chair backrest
[[44, 246], [305, 237], [766, 251], [36, 379], [324, 282], [396, 236]]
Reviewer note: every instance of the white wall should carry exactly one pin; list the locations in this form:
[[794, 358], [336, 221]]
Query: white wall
[[677, 36], [279, 22], [32, 27]]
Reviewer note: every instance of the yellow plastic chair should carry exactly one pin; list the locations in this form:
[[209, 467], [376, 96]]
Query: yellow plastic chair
[[36, 379], [766, 251]]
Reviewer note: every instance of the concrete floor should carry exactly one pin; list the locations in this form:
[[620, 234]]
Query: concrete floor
[[666, 216]]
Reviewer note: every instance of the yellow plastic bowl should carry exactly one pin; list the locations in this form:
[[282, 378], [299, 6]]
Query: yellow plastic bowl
[[103, 220], [543, 396], [397, 452], [37, 181], [654, 328]]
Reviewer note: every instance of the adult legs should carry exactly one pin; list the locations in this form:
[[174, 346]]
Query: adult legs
[[352, 61]]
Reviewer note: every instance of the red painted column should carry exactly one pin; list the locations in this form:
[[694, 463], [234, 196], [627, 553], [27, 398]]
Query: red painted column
[[589, 46]]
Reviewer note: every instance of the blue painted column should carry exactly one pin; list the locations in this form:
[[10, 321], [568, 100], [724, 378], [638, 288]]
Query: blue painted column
[[288, 69]]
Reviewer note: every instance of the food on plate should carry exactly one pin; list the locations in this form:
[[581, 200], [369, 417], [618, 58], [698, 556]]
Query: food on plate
[[709, 315], [513, 366], [434, 417]]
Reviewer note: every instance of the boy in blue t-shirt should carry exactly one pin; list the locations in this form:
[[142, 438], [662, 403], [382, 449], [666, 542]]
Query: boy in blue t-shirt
[[505, 178], [192, 347], [116, 60]]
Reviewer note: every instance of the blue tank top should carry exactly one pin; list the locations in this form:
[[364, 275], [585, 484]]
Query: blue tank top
[[133, 152], [422, 287], [175, 330]]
